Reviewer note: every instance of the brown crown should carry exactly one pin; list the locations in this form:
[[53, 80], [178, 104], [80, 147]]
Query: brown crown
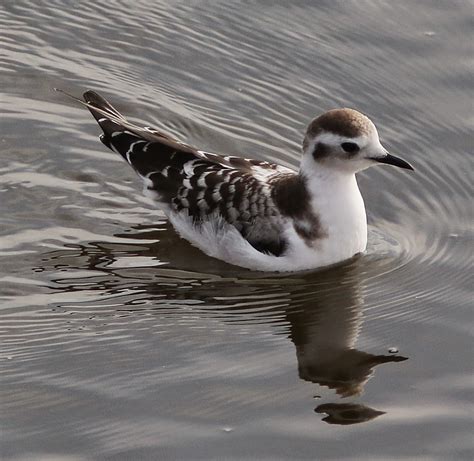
[[344, 122]]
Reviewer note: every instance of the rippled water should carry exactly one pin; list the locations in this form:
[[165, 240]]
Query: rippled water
[[121, 341]]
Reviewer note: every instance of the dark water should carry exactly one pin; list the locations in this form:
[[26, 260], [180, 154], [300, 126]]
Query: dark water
[[121, 341]]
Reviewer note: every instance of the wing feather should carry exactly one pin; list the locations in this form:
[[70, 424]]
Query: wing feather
[[202, 184]]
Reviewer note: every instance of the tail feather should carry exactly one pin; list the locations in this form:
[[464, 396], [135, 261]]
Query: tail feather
[[96, 101], [144, 148], [103, 111], [112, 122]]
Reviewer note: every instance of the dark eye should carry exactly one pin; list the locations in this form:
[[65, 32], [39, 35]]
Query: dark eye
[[350, 147]]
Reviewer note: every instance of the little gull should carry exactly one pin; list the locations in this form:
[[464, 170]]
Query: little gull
[[251, 213]]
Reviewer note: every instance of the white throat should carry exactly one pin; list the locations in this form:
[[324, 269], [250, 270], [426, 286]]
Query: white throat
[[336, 199]]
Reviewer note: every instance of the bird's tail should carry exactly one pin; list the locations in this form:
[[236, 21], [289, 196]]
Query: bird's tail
[[109, 119], [96, 102], [119, 134]]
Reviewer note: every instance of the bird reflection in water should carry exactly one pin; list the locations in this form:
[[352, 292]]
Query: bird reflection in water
[[324, 332], [323, 310], [324, 326]]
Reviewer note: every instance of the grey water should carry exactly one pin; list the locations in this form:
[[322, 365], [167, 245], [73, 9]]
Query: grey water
[[121, 341]]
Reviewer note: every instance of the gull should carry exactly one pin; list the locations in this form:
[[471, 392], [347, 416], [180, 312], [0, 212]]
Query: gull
[[251, 213]]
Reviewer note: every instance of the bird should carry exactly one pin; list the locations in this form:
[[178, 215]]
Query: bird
[[252, 213]]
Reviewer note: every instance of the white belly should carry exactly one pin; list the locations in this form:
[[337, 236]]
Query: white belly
[[220, 240], [341, 213]]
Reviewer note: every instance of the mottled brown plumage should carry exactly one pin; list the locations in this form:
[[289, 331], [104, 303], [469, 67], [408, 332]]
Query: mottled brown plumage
[[231, 206], [254, 196]]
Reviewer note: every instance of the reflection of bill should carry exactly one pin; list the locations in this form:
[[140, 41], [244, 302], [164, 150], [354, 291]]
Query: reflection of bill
[[347, 413]]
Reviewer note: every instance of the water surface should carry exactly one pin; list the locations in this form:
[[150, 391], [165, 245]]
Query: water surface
[[122, 341]]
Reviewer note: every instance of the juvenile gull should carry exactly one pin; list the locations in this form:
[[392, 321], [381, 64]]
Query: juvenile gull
[[257, 214]]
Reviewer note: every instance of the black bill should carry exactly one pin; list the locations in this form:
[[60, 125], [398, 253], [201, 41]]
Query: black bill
[[390, 159]]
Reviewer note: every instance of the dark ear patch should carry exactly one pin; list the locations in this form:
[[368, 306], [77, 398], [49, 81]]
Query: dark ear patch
[[321, 151]]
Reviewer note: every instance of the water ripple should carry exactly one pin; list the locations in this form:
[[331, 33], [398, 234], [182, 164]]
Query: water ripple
[[105, 311]]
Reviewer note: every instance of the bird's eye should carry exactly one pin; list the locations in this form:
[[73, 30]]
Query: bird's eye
[[350, 147]]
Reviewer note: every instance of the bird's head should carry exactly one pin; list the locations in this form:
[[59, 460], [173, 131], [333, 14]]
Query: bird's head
[[345, 140]]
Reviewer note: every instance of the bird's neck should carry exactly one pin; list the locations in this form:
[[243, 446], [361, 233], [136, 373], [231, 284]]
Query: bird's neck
[[330, 184], [336, 199]]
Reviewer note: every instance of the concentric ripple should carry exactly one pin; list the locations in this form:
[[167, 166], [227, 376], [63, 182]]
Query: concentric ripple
[[120, 340]]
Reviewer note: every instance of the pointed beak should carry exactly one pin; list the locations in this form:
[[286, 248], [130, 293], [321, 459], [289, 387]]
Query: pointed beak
[[390, 159]]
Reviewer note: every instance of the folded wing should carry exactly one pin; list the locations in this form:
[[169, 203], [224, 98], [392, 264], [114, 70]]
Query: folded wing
[[203, 185]]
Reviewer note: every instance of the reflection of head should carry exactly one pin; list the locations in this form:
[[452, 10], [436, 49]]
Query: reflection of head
[[324, 327], [347, 413], [345, 371]]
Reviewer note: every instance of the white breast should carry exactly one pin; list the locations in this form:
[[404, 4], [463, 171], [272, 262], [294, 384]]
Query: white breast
[[342, 213]]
